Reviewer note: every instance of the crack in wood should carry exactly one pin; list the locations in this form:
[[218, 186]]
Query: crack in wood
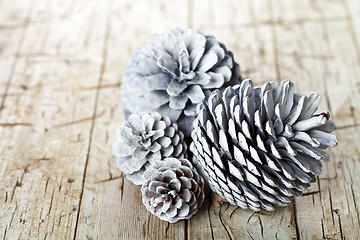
[[114, 85], [224, 224], [250, 235], [51, 202], [23, 32], [13, 214], [328, 178], [310, 193], [232, 213], [167, 229], [101, 75], [5, 231], [322, 228], [211, 226], [331, 206], [122, 187], [148, 225], [339, 220], [186, 229], [16, 124], [109, 165], [250, 217], [18, 182], [79, 120], [108, 180], [322, 208], [261, 226], [341, 232], [43, 159], [296, 221], [256, 214], [354, 200]]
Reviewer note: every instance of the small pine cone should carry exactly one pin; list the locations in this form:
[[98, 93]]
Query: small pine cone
[[174, 190], [260, 147], [144, 139], [173, 72]]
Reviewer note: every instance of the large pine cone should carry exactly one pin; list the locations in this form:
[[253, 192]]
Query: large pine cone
[[260, 147], [144, 139], [174, 190], [175, 71]]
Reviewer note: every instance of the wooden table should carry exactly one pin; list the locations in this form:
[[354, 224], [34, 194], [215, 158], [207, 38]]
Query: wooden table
[[61, 63]]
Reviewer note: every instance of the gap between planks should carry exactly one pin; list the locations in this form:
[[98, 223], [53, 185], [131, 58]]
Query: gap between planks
[[98, 89]]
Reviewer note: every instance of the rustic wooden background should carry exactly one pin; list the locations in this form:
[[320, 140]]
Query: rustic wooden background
[[61, 63]]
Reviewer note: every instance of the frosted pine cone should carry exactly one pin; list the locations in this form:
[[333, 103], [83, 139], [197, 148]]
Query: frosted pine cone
[[145, 139], [174, 190], [260, 147], [175, 71]]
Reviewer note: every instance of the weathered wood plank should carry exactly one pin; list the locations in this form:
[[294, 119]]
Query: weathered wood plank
[[112, 206], [12, 32], [45, 129], [317, 62], [232, 222]]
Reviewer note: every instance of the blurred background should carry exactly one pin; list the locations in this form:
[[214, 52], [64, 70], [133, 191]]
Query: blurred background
[[61, 63]]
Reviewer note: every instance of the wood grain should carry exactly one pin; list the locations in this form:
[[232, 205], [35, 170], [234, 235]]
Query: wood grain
[[61, 64]]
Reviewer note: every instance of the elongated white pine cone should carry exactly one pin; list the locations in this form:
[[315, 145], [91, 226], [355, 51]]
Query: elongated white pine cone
[[260, 147], [144, 139], [174, 190], [173, 72]]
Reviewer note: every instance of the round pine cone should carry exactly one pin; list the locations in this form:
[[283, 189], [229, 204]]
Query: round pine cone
[[173, 72], [260, 147], [144, 139], [174, 190]]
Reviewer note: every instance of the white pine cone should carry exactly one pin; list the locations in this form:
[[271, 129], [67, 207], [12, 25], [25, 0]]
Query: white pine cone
[[173, 72], [174, 190], [260, 147], [144, 139]]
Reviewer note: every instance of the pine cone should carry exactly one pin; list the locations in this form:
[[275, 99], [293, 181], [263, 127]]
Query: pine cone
[[173, 72], [174, 190], [260, 147], [145, 139]]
